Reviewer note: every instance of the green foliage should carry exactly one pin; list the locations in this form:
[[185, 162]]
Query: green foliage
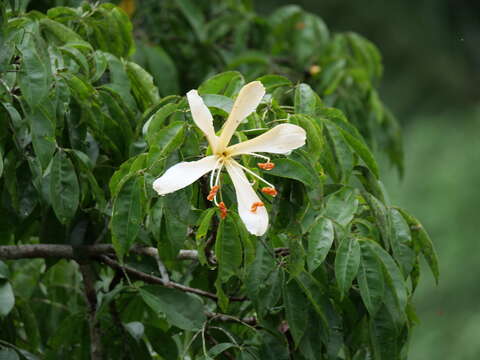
[[88, 131]]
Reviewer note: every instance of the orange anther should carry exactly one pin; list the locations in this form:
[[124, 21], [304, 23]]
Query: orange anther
[[213, 192], [269, 191], [266, 166], [223, 210], [256, 205]]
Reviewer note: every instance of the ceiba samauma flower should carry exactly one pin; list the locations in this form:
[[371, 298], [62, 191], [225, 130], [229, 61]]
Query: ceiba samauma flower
[[279, 140]]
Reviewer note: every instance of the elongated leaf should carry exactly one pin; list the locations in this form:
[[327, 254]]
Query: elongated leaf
[[219, 83], [393, 276], [401, 241], [194, 17], [382, 218], [295, 310], [347, 262], [181, 309], [292, 169], [423, 243], [145, 92], [228, 249], [163, 69], [370, 279], [320, 240], [341, 151], [42, 126], [272, 82], [127, 215], [64, 187]]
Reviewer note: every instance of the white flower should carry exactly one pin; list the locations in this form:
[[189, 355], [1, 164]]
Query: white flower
[[279, 140]]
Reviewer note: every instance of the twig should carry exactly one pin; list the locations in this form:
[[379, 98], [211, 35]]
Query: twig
[[151, 279], [91, 298], [251, 321]]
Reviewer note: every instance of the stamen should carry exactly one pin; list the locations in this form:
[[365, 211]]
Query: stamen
[[255, 175], [266, 166], [259, 156], [212, 174], [256, 205], [269, 191], [223, 210], [213, 192]]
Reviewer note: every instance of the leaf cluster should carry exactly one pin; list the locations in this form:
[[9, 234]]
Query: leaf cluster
[[85, 131]]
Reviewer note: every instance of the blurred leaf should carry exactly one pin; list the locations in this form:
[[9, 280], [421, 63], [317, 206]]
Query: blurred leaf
[[163, 69], [320, 240], [7, 299], [127, 214], [8, 354], [347, 261], [143, 88], [181, 309], [272, 82], [194, 17], [64, 187]]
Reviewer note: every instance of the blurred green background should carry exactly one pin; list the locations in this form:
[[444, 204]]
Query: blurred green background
[[431, 52]]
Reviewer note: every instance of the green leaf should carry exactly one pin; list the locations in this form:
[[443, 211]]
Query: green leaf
[[271, 82], [393, 276], [288, 168], [228, 249], [181, 309], [370, 279], [194, 17], [156, 121], [320, 240], [347, 261], [295, 310], [219, 348], [42, 126], [315, 141], [341, 206], [306, 100], [401, 242], [127, 214], [7, 299], [341, 151], [379, 211], [33, 77], [145, 92], [63, 33], [219, 83], [64, 187], [423, 243], [4, 271], [221, 102], [383, 336], [8, 354], [259, 270], [163, 69], [352, 136]]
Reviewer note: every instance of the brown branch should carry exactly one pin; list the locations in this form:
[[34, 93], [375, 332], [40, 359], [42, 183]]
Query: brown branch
[[91, 297], [12, 252], [151, 279]]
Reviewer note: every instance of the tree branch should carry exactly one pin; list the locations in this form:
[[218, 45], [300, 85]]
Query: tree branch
[[151, 279], [13, 252], [91, 298]]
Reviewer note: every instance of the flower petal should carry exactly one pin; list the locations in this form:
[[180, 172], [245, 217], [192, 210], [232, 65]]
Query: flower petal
[[202, 117], [279, 140], [183, 174], [255, 222], [247, 101]]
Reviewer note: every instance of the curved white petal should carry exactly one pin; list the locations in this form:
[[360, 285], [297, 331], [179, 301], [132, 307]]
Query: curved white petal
[[247, 101], [183, 174], [255, 222], [279, 140], [202, 117]]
